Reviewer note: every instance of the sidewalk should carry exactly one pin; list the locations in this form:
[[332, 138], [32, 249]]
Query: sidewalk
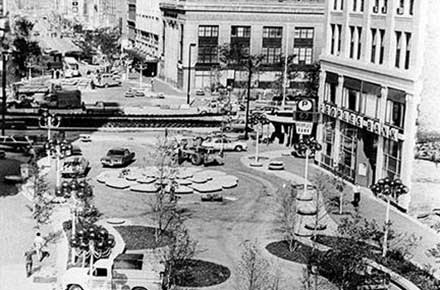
[[46, 274], [370, 207]]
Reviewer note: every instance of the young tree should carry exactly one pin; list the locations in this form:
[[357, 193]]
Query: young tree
[[238, 57], [339, 187], [42, 205], [181, 249], [254, 272], [286, 214], [321, 183], [312, 83], [287, 73], [165, 211]]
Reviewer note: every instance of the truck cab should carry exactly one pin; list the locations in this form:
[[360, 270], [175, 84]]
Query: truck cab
[[126, 271]]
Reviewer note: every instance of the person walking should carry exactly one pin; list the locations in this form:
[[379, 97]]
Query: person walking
[[28, 262], [38, 245], [357, 195]]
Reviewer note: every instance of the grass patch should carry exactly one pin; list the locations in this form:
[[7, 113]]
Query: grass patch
[[142, 237], [198, 273], [281, 250]]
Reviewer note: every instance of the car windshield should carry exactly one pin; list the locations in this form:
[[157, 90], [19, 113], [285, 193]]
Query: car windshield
[[115, 152]]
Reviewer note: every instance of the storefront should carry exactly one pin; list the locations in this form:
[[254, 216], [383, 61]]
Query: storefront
[[362, 129]]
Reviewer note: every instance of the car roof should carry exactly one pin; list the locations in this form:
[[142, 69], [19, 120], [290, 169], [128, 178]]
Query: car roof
[[118, 149]]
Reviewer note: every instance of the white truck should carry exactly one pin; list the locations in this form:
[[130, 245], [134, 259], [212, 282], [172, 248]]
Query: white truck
[[125, 272]]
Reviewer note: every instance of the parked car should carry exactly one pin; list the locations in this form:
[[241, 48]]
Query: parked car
[[118, 157], [225, 143], [139, 93], [200, 92], [108, 108], [108, 80], [237, 125], [75, 166]]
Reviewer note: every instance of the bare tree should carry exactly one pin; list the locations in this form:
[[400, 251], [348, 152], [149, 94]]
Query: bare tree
[[164, 206], [181, 249], [42, 206], [254, 272], [286, 214]]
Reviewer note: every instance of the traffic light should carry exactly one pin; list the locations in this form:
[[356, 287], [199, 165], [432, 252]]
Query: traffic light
[[305, 110]]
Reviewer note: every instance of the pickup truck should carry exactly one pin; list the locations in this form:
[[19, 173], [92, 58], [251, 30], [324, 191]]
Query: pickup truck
[[107, 108], [126, 271]]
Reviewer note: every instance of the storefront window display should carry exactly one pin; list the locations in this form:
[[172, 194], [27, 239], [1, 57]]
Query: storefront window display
[[328, 141], [392, 158], [348, 149]]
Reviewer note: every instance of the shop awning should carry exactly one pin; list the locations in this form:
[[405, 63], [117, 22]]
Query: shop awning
[[353, 84], [331, 78], [282, 120], [396, 95]]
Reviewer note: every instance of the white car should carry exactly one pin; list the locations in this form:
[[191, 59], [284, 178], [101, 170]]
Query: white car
[[226, 144]]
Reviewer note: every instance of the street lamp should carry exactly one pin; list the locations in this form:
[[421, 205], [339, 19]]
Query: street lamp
[[59, 149], [78, 193], [307, 146], [390, 189], [188, 89], [49, 121]]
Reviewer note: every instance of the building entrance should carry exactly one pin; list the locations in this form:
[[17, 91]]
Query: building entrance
[[366, 158]]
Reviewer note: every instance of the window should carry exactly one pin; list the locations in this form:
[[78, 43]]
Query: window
[[392, 158], [272, 32], [359, 50], [100, 272], [401, 8], [354, 6], [385, 7], [329, 140], [408, 50], [208, 31], [272, 55], [395, 113], [398, 48], [339, 38], [303, 55], [330, 87], [208, 42], [241, 31], [335, 4], [382, 46], [348, 149], [362, 6], [373, 44], [332, 45], [207, 54], [376, 6], [411, 7], [271, 49], [351, 41], [342, 4], [304, 33]]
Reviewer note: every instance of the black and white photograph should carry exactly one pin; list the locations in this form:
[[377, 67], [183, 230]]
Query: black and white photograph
[[220, 145]]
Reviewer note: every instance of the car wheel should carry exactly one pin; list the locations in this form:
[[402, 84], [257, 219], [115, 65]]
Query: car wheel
[[75, 287], [106, 86], [238, 148]]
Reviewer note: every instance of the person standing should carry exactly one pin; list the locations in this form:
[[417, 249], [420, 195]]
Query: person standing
[[38, 245], [28, 260]]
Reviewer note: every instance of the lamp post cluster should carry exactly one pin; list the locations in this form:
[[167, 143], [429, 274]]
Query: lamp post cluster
[[92, 241], [390, 189], [78, 193], [307, 146], [59, 149], [49, 121]]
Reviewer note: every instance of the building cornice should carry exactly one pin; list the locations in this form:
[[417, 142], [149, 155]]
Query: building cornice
[[238, 7]]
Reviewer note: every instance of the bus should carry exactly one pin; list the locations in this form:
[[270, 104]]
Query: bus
[[71, 67]]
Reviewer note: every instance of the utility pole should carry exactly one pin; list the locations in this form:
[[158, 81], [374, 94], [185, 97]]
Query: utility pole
[[246, 127], [285, 67]]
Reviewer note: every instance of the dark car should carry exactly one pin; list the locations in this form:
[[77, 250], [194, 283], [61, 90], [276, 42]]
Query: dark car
[[118, 157]]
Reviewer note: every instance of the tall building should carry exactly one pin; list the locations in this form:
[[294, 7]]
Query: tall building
[[195, 29], [378, 82], [131, 22]]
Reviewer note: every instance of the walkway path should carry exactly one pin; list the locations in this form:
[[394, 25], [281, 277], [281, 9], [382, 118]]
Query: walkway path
[[370, 207]]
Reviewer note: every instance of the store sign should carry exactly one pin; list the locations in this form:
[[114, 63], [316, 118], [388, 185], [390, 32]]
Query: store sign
[[361, 122]]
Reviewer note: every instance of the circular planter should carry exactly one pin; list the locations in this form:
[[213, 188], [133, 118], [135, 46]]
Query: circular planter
[[200, 179], [207, 187], [306, 209], [182, 189], [145, 188], [227, 181], [276, 165], [304, 196], [133, 176], [107, 175], [319, 227], [115, 221], [184, 182], [423, 215], [146, 180], [256, 164], [119, 183]]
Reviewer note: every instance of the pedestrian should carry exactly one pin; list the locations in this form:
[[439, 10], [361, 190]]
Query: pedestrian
[[436, 158], [32, 154], [356, 195], [28, 260], [38, 245]]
